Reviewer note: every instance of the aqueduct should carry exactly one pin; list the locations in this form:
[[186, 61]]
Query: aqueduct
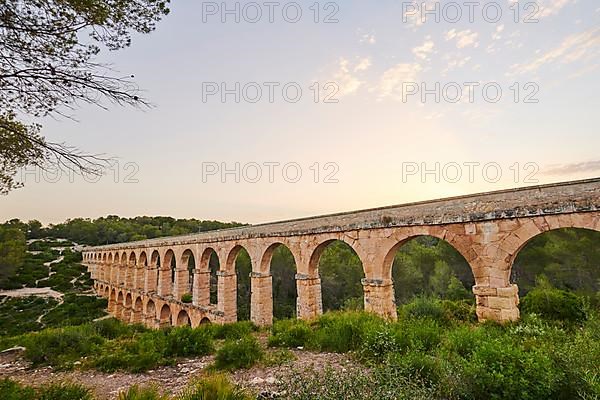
[[146, 281]]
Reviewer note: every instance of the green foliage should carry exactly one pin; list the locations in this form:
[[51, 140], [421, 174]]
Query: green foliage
[[215, 387], [64, 391], [142, 393], [424, 307], [187, 298], [352, 383], [277, 358], [343, 332], [499, 370], [153, 348], [11, 390], [236, 354], [76, 310], [554, 304], [12, 251], [427, 266], [341, 273], [61, 347], [19, 315], [290, 333], [568, 257], [236, 330]]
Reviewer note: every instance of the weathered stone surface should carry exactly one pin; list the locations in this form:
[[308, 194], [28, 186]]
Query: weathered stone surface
[[144, 281]]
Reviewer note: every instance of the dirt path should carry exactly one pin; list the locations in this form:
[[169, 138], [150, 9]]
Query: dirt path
[[172, 379]]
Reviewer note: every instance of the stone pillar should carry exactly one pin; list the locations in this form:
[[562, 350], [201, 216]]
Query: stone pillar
[[227, 295], [126, 314], [309, 304], [261, 299], [164, 282], [136, 316], [150, 280], [201, 288], [112, 304], [181, 283], [497, 304], [123, 275], [380, 298]]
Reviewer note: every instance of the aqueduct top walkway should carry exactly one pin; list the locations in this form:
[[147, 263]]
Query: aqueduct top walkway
[[144, 281]]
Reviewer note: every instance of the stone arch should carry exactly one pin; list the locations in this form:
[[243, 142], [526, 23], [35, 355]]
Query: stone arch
[[183, 319], [523, 232], [137, 311], [268, 283], [234, 298], [120, 305], [205, 321], [465, 275], [141, 270], [166, 274], [317, 252], [185, 280], [165, 316], [152, 273], [127, 308], [150, 313], [562, 235], [329, 300], [210, 266]]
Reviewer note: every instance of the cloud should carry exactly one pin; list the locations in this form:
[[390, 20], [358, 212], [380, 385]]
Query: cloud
[[464, 38], [368, 38], [574, 168], [546, 8], [575, 47], [391, 82], [346, 75], [425, 49]]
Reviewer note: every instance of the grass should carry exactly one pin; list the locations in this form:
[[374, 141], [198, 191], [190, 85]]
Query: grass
[[11, 390], [237, 354]]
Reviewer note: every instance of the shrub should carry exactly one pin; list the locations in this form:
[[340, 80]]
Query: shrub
[[187, 298], [422, 334], [233, 331], [185, 341], [242, 353], [61, 347], [135, 355], [11, 390], [142, 393], [424, 307], [290, 333], [417, 365], [112, 328], [343, 332], [64, 391], [500, 370], [278, 358], [554, 304], [459, 311], [378, 343], [215, 387]]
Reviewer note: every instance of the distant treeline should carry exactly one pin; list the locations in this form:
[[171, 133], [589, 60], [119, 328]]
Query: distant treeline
[[114, 229]]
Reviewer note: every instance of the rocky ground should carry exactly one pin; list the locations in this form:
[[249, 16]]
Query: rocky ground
[[171, 379]]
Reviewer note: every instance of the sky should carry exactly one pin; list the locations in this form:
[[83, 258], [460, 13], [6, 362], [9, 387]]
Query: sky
[[276, 110]]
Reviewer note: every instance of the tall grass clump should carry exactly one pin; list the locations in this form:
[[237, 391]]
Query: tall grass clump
[[215, 387], [11, 390], [291, 333], [64, 391], [232, 331], [61, 347], [142, 393], [341, 332], [555, 304], [236, 354]]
